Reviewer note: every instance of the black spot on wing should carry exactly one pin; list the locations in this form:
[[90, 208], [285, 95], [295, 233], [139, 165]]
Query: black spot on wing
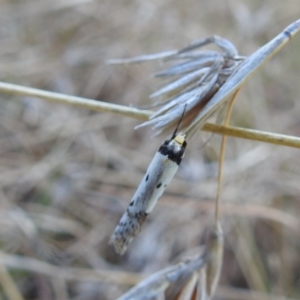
[[147, 177], [287, 34], [158, 186]]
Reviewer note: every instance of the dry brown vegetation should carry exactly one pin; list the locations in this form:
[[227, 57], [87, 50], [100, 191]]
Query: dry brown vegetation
[[67, 174]]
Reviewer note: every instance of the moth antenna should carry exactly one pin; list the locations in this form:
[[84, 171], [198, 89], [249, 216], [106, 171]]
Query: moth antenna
[[182, 115]]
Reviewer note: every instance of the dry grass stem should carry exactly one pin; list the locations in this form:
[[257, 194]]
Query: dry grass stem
[[18, 90], [215, 244], [221, 160], [255, 135], [79, 274]]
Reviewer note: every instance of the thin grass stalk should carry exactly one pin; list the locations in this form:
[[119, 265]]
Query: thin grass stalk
[[33, 265], [221, 160], [132, 112], [254, 135], [250, 134], [216, 241]]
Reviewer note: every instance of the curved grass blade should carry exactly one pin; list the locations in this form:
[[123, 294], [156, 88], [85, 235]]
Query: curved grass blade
[[245, 69]]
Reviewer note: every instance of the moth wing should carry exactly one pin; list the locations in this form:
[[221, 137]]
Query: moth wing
[[137, 211]]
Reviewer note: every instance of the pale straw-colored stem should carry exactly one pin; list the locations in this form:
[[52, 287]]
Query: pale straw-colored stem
[[261, 136], [221, 160], [255, 135], [70, 274], [14, 89]]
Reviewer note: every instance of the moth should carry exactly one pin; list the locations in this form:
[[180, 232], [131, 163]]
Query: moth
[[160, 172]]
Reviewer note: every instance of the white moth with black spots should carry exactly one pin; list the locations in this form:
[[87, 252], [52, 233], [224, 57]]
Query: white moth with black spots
[[160, 172]]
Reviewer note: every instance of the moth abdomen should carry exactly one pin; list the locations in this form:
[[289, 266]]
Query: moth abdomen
[[128, 227]]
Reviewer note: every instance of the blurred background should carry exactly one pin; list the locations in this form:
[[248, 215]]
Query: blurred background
[[67, 174]]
